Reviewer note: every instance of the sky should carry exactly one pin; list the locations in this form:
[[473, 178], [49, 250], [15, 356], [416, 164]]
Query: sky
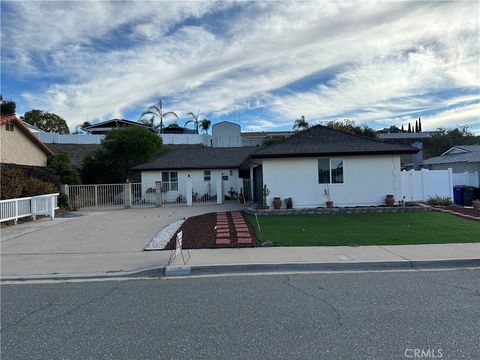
[[260, 64]]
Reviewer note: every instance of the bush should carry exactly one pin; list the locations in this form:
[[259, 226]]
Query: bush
[[11, 181], [34, 187], [439, 201], [62, 202]]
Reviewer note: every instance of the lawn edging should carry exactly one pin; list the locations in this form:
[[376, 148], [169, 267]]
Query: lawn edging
[[340, 210]]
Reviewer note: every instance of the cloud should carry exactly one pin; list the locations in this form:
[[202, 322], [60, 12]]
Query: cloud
[[382, 61]]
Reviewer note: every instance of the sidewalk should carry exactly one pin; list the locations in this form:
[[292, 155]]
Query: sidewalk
[[332, 258], [95, 242]]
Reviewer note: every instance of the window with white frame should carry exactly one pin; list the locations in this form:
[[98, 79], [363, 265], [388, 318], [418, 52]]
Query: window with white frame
[[170, 180], [207, 175], [330, 171]]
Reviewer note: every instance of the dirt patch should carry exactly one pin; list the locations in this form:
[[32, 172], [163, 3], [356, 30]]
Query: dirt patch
[[466, 213], [199, 233]]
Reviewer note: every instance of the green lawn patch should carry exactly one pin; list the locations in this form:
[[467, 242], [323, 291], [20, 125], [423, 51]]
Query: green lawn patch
[[366, 229]]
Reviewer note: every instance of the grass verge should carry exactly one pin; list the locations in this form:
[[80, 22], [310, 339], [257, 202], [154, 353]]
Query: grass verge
[[366, 229]]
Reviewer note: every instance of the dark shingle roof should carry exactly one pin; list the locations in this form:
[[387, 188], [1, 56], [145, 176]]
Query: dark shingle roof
[[469, 157], [199, 157], [323, 141], [76, 152]]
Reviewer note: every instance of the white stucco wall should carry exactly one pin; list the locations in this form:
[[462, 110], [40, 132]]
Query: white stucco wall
[[226, 134], [196, 176], [367, 179]]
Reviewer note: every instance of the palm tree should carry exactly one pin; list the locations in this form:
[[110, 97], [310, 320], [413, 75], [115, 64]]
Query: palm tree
[[300, 124], [195, 120], [156, 111], [205, 125]]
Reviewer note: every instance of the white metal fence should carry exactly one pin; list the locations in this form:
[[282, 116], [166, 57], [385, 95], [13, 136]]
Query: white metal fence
[[423, 184], [96, 196], [14, 209]]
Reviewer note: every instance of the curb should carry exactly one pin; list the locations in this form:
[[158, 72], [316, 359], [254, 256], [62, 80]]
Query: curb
[[196, 270], [151, 272], [173, 271]]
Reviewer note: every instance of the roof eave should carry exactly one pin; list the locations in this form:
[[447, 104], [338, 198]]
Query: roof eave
[[343, 153]]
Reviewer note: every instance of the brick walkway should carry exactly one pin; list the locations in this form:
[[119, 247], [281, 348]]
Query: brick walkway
[[223, 231]]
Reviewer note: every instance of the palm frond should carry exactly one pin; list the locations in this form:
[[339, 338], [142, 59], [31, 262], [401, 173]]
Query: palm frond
[[170, 113]]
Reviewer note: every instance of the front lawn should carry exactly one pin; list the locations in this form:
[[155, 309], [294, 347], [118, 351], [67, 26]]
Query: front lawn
[[366, 229]]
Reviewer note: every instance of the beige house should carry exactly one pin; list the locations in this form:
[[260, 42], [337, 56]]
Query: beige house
[[19, 146]]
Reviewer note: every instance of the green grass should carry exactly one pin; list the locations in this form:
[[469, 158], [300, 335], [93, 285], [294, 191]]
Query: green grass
[[366, 229]]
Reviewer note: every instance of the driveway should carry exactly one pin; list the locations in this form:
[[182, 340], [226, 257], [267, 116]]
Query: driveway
[[101, 241]]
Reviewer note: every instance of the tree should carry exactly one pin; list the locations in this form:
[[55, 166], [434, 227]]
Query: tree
[[409, 128], [122, 149], [46, 121], [300, 124], [8, 107], [416, 126], [156, 111], [443, 139], [419, 125], [402, 129], [195, 120], [351, 127], [205, 125], [275, 139], [59, 165]]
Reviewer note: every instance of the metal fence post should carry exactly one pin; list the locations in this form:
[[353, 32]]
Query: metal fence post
[[33, 206], [16, 212], [96, 196]]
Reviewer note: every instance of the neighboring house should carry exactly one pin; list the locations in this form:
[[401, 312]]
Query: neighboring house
[[203, 165], [33, 128], [19, 145], [459, 158], [416, 140], [356, 170], [256, 138], [105, 126]]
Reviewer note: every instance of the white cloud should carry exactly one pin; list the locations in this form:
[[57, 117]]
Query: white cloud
[[387, 57]]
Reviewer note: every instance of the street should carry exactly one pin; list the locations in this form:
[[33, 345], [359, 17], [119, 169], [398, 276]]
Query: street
[[371, 315]]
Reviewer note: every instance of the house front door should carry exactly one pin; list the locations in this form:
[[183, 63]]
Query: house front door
[[257, 184]]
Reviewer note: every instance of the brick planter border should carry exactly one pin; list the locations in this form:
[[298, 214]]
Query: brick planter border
[[345, 210]]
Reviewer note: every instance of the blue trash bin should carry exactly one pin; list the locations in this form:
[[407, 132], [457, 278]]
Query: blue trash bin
[[458, 194]]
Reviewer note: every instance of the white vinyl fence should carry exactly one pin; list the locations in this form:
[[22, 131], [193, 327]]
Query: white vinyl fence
[[466, 178], [14, 209], [420, 185]]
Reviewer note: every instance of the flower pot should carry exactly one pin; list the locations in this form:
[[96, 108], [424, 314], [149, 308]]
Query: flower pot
[[289, 203], [329, 204], [390, 200], [277, 203]]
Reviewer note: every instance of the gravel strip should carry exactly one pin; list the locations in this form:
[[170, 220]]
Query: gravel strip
[[161, 239]]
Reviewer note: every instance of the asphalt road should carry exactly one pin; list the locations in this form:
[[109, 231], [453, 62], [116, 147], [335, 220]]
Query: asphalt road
[[319, 316]]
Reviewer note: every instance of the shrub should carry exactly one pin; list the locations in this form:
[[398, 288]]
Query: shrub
[[34, 187], [63, 202], [11, 183], [439, 201]]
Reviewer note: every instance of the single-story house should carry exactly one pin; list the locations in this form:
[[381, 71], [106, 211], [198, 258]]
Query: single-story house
[[309, 167], [19, 145], [459, 158], [105, 126], [204, 166]]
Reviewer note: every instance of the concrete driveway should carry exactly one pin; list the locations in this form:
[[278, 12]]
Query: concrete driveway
[[95, 242]]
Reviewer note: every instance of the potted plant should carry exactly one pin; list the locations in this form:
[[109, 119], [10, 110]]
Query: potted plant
[[277, 203], [265, 193], [289, 203], [390, 200], [329, 202]]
